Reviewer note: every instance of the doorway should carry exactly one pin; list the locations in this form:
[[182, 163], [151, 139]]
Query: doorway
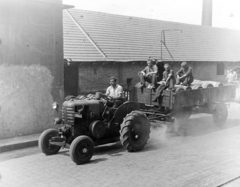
[[70, 80]]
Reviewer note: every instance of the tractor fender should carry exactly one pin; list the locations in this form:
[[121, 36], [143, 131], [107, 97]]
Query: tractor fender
[[124, 109]]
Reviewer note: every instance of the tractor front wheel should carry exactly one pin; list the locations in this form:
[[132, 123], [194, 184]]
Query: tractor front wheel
[[134, 132], [81, 149], [43, 142]]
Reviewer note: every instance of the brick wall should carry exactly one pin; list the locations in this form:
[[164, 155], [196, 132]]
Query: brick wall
[[95, 77]]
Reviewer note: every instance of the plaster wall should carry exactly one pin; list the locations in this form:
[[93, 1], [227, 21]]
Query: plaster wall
[[31, 65]]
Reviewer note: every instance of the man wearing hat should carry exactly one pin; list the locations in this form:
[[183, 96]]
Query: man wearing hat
[[184, 75], [115, 91]]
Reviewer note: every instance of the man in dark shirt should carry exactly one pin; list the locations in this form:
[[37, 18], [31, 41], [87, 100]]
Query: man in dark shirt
[[148, 74], [168, 81], [160, 66], [184, 75]]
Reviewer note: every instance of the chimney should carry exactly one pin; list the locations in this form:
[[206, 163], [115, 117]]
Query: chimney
[[207, 12]]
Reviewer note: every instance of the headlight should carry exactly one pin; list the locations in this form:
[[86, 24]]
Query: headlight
[[80, 108], [55, 106]]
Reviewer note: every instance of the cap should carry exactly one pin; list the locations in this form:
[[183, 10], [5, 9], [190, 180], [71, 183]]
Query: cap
[[113, 78], [183, 64]]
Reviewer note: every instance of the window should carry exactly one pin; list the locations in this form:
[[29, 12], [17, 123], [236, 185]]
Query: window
[[220, 68]]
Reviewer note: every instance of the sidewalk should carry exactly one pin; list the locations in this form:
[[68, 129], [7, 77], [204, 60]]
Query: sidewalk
[[19, 142]]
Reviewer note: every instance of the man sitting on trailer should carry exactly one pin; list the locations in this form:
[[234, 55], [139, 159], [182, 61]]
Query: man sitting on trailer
[[184, 75], [167, 82], [148, 74]]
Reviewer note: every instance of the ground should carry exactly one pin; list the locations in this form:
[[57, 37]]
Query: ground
[[208, 156]]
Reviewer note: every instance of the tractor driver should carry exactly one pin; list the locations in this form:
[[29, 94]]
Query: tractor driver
[[115, 91]]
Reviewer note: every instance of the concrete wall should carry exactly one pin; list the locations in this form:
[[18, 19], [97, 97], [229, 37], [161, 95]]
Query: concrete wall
[[31, 65], [95, 76]]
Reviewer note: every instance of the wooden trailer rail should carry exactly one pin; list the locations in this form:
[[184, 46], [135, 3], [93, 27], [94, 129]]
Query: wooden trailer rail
[[186, 98], [203, 96]]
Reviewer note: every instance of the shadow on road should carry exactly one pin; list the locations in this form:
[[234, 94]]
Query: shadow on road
[[96, 161], [205, 125], [112, 149]]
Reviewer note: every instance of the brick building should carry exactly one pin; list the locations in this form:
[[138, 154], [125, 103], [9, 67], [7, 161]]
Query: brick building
[[98, 45]]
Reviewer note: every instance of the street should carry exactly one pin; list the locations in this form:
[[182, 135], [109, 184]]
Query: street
[[208, 156]]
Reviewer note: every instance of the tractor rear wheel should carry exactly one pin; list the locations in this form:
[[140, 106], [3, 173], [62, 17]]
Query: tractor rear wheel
[[81, 149], [134, 132]]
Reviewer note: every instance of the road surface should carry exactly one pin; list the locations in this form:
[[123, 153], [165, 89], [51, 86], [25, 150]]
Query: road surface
[[209, 156]]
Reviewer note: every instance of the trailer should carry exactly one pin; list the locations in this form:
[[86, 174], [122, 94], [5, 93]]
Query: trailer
[[180, 104]]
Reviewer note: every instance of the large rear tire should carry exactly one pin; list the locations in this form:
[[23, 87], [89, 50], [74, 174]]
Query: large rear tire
[[134, 132], [81, 149], [220, 114], [43, 142]]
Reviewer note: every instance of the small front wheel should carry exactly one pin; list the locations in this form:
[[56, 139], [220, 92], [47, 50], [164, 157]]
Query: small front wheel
[[43, 142], [220, 114], [81, 149]]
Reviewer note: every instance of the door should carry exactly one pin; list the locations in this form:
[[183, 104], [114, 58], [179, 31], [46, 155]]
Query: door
[[70, 80]]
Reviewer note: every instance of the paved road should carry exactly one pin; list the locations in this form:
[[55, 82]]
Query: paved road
[[208, 156]]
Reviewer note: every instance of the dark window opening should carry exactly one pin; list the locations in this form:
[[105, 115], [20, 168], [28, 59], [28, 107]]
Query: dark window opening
[[95, 71], [220, 68]]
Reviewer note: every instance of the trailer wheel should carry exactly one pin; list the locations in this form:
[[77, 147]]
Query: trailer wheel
[[134, 132], [180, 126], [81, 149], [43, 142], [185, 114], [220, 114]]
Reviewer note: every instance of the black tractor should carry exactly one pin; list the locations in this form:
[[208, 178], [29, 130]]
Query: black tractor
[[90, 121]]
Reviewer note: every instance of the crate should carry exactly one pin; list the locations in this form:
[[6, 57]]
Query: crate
[[166, 99], [143, 95]]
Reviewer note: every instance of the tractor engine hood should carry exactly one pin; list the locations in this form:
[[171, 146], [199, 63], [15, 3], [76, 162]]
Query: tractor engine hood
[[73, 103], [93, 107]]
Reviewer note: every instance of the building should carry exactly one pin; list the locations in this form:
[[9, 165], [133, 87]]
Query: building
[[98, 45], [31, 65]]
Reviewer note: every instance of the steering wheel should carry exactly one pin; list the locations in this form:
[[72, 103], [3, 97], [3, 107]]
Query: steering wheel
[[110, 99]]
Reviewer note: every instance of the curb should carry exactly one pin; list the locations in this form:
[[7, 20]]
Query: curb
[[19, 142], [16, 146]]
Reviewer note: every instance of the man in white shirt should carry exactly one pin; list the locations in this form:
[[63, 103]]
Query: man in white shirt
[[115, 91], [230, 76]]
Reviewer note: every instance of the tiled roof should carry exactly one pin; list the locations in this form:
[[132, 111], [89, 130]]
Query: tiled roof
[[95, 36]]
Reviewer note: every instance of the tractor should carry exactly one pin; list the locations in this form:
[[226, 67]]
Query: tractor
[[89, 121]]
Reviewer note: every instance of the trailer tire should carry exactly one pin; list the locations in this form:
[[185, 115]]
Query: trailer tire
[[180, 126], [220, 114], [134, 132]]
